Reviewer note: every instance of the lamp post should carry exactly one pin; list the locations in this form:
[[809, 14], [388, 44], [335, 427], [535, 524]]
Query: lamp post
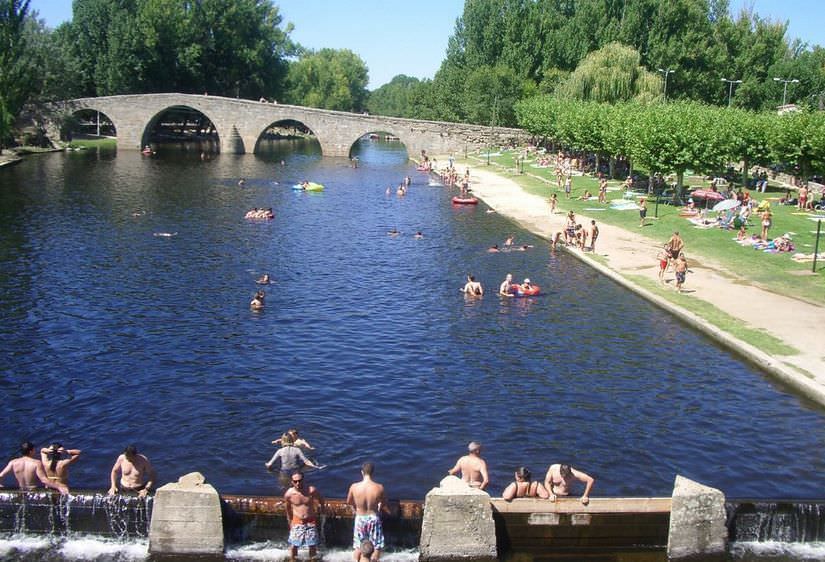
[[730, 87], [785, 89], [666, 71]]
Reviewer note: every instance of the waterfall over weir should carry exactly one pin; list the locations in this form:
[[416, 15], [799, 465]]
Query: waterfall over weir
[[122, 517], [779, 521]]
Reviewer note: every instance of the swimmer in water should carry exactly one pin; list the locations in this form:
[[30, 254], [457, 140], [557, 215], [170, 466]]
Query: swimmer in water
[[418, 235], [472, 287], [493, 249], [263, 279], [241, 182], [505, 288], [258, 300], [393, 232]]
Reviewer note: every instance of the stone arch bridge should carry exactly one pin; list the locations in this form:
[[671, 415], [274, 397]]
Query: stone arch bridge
[[240, 124]]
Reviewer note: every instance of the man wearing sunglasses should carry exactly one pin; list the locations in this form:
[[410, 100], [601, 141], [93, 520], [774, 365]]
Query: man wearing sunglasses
[[302, 509]]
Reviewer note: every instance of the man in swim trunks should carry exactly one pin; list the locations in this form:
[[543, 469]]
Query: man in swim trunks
[[28, 470], [560, 479], [675, 245], [302, 508], [472, 467], [136, 474], [369, 499]]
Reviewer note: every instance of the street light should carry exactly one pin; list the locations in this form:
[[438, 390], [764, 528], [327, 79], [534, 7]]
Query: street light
[[785, 89], [666, 71], [730, 87]]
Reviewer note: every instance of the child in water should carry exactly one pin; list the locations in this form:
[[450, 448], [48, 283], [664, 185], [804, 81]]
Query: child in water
[[292, 433]]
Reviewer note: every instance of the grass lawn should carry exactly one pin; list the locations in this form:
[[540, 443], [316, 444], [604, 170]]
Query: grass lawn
[[103, 142], [776, 272]]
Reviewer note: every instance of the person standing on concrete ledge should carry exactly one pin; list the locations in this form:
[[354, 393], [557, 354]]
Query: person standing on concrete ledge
[[302, 509], [136, 474], [472, 467], [560, 479], [28, 470], [368, 499]]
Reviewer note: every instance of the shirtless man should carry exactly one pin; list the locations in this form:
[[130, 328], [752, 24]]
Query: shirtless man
[[472, 287], [594, 235], [56, 460], [368, 499], [504, 288], [560, 479], [472, 467], [28, 470], [136, 473], [302, 508], [675, 245]]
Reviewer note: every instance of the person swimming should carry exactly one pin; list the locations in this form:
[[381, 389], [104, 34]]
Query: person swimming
[[263, 279], [493, 249], [418, 235], [258, 300], [393, 232], [472, 287]]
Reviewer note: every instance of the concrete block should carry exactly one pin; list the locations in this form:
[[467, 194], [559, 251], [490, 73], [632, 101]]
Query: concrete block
[[186, 518], [697, 522], [457, 524]]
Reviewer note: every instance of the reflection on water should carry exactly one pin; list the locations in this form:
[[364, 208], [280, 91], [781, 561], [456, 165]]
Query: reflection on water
[[112, 335]]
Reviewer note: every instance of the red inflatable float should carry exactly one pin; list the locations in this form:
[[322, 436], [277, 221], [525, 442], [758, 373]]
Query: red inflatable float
[[465, 201]]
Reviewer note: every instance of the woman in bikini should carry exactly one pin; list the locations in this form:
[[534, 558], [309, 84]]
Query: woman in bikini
[[56, 460], [524, 487]]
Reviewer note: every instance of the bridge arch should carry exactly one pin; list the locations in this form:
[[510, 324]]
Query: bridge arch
[[181, 123], [88, 122], [378, 134], [286, 128]]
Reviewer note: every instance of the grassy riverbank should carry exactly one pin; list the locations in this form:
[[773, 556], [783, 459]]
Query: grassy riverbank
[[775, 272], [103, 142]]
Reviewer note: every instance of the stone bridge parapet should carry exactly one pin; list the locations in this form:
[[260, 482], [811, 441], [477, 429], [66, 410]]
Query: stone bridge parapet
[[240, 124]]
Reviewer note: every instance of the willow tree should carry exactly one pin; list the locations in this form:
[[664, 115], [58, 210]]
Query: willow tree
[[611, 74]]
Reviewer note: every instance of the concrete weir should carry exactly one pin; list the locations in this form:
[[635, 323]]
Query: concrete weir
[[456, 522], [186, 518]]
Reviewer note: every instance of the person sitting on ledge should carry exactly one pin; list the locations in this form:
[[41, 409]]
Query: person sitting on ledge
[[560, 479], [136, 473], [524, 487], [472, 467]]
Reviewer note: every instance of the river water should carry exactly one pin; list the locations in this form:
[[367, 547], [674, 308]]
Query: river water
[[124, 291]]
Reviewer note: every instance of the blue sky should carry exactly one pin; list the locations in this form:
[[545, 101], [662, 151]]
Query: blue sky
[[403, 37]]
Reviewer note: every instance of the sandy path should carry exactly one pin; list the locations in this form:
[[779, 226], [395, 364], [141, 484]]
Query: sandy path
[[799, 324]]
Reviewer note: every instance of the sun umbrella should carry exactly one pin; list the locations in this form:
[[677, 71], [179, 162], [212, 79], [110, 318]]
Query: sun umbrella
[[726, 204], [707, 195]]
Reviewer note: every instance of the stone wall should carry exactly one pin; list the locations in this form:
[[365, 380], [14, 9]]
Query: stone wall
[[240, 123]]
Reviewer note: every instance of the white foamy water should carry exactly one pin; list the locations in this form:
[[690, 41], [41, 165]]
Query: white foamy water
[[90, 548], [76, 548], [19, 543], [780, 550]]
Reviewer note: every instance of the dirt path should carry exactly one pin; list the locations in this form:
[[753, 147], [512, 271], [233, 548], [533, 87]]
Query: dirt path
[[799, 324]]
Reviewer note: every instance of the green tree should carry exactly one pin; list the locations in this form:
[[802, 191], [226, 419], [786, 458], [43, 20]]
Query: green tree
[[17, 73], [610, 74], [329, 79], [395, 97], [490, 94], [797, 139]]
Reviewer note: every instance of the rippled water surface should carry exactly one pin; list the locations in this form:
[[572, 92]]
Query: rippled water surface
[[112, 334]]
